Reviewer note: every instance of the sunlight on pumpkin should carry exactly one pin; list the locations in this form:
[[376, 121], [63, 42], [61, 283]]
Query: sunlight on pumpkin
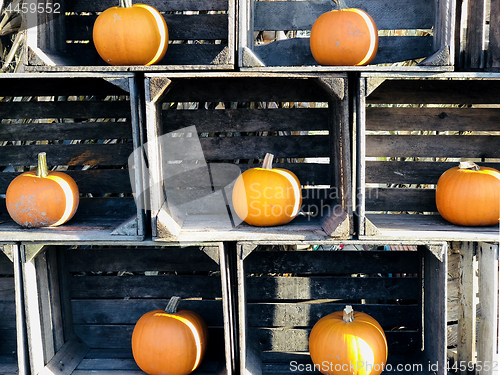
[[360, 354], [296, 189], [193, 331], [163, 34], [373, 35], [68, 194]]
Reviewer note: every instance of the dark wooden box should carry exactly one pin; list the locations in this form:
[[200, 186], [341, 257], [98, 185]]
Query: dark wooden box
[[88, 125], [275, 35], [82, 303], [284, 292], [8, 331], [237, 119], [201, 33], [409, 132]]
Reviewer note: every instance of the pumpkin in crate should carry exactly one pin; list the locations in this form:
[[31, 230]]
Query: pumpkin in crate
[[42, 198], [469, 195], [344, 36], [267, 196], [170, 341], [130, 34], [348, 343]]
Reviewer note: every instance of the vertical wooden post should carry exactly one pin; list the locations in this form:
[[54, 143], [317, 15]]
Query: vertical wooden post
[[487, 339], [474, 44], [466, 346]]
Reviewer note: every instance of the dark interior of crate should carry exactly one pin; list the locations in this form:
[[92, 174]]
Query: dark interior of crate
[[84, 126], [239, 120], [198, 31], [111, 288], [287, 292], [416, 130], [406, 24], [8, 343]]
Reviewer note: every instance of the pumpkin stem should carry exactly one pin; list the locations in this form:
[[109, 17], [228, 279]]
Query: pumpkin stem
[[125, 3], [340, 4], [42, 170], [172, 305], [348, 314], [268, 161], [468, 165]]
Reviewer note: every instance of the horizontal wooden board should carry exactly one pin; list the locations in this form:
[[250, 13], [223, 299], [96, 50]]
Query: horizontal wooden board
[[180, 27], [434, 119], [332, 262], [160, 5], [7, 289], [6, 266], [454, 146], [387, 14], [247, 120], [71, 155], [65, 130], [138, 286], [406, 200], [435, 91], [297, 52], [249, 89], [8, 314], [306, 288], [102, 311], [174, 259], [307, 314], [65, 109], [8, 344]]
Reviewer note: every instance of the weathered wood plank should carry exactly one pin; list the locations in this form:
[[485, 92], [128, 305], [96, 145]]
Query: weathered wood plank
[[478, 146], [328, 263], [407, 200], [7, 289], [474, 41], [160, 5], [493, 52], [6, 267]]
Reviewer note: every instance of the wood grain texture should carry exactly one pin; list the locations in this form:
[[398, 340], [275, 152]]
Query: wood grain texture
[[160, 5]]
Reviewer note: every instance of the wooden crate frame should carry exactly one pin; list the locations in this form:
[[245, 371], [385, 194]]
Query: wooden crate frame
[[384, 208], [72, 313], [294, 54], [55, 43], [213, 223], [98, 168], [282, 294]]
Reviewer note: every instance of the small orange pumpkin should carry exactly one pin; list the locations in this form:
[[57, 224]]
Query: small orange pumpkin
[[131, 34], [469, 195], [267, 196], [344, 36], [169, 342], [41, 198], [348, 343]]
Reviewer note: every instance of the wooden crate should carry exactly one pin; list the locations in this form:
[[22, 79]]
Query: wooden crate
[[82, 303], [282, 294], [201, 36], [275, 35], [308, 134], [409, 132], [88, 124]]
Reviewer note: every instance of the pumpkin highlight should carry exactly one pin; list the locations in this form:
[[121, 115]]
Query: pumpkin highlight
[[170, 341], [42, 198], [469, 195], [267, 196], [344, 36], [131, 34], [347, 340]]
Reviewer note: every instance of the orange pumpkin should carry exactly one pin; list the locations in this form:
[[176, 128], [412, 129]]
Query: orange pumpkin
[[469, 195], [348, 343], [267, 196], [344, 36], [169, 342], [131, 34], [42, 198]]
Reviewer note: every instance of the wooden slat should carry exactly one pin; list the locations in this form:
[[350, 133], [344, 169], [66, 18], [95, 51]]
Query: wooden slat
[[72, 155], [8, 313], [305, 288], [145, 286], [8, 343], [6, 266], [248, 120], [474, 41], [432, 119], [180, 27], [64, 130], [7, 289], [405, 200], [436, 92], [160, 5], [468, 146], [326, 262], [300, 15], [493, 52]]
